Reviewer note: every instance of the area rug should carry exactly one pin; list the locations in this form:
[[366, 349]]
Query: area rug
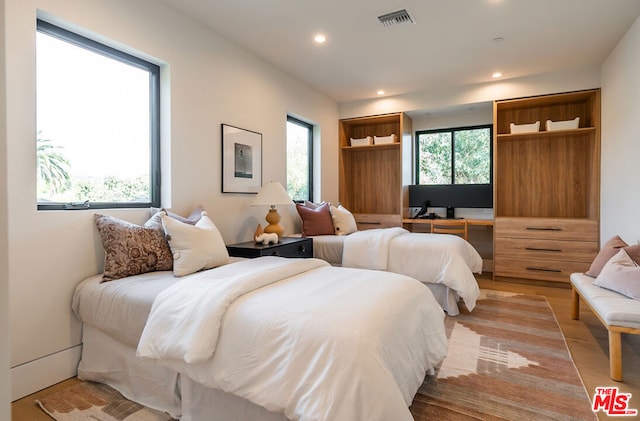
[[507, 360], [94, 401]]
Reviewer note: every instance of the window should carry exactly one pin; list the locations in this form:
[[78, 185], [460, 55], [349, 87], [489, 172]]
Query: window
[[299, 159], [460, 155], [98, 136]]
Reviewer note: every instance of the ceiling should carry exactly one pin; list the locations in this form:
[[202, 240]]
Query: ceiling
[[451, 43]]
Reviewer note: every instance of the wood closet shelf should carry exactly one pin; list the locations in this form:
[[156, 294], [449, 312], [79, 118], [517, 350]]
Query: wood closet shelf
[[395, 145], [543, 134], [546, 187], [372, 176]]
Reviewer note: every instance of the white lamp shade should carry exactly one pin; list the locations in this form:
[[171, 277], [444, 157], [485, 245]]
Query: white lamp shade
[[272, 194]]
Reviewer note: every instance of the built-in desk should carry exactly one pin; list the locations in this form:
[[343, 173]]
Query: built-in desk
[[480, 235], [409, 222]]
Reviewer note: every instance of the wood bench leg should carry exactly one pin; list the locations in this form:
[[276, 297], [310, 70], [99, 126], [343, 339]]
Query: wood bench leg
[[575, 304], [615, 356]]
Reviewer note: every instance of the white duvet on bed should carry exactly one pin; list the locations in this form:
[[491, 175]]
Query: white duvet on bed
[[182, 312], [429, 258], [326, 343]]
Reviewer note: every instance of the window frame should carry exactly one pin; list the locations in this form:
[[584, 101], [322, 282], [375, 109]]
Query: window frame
[[452, 131], [154, 114], [309, 126]]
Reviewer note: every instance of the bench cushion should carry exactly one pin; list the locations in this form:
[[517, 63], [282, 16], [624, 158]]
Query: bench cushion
[[615, 309]]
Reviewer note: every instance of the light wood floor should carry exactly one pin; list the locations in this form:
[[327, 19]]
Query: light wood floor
[[586, 338]]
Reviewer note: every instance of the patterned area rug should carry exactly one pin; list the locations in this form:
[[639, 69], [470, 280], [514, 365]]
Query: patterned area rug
[[94, 401], [507, 360]]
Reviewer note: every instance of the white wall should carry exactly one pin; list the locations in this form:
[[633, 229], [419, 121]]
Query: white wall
[[5, 374], [457, 96], [468, 115], [206, 81], [620, 201]]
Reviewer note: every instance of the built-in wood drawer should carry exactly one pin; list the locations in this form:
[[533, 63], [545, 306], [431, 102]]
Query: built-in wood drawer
[[377, 220], [547, 228], [531, 248], [538, 269]]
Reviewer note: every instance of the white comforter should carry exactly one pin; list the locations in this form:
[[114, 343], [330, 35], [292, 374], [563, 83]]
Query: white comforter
[[430, 258], [317, 343]]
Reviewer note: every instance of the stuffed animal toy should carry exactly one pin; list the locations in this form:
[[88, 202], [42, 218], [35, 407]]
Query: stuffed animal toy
[[264, 237], [267, 238]]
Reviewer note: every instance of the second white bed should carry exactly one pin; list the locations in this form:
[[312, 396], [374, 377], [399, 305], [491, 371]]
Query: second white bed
[[445, 263]]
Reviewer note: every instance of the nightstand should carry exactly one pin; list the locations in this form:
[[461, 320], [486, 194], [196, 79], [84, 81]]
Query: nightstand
[[287, 247]]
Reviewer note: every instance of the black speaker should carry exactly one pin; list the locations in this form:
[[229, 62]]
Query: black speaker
[[451, 212]]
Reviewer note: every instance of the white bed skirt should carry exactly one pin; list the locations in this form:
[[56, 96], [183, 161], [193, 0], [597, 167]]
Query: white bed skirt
[[446, 297], [106, 360], [200, 403]]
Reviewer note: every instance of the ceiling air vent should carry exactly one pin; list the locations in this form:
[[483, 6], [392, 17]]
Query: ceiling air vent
[[395, 18]]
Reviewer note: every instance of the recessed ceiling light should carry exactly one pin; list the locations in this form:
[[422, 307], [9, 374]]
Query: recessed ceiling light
[[320, 39], [380, 92], [496, 75]]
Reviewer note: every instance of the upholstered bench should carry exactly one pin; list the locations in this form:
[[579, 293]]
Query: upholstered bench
[[617, 312]]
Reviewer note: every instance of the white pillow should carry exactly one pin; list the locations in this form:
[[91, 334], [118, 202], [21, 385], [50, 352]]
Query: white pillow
[[343, 221], [621, 274], [194, 247]]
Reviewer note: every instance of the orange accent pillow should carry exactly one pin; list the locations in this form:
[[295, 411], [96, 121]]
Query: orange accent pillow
[[315, 221]]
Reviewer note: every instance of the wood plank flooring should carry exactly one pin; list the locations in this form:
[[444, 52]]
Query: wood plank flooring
[[586, 338]]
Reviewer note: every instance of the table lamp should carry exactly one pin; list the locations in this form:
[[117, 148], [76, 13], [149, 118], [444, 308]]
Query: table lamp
[[272, 194]]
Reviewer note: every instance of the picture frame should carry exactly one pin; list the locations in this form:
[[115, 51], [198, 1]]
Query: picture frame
[[241, 160]]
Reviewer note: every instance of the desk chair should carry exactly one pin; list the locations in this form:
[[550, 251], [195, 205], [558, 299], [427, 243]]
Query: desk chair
[[450, 226]]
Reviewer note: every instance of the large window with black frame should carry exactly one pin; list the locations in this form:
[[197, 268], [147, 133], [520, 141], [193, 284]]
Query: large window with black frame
[[98, 124], [299, 159], [461, 155]]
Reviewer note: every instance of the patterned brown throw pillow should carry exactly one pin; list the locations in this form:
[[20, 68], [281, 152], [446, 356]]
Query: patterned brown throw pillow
[[132, 249]]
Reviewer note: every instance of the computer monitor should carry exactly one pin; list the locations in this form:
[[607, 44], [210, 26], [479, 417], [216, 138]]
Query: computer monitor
[[451, 196]]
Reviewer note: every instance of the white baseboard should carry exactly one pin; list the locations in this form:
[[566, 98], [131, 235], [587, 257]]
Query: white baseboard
[[36, 375]]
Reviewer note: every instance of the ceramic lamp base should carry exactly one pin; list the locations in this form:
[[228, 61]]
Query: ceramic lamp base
[[273, 218]]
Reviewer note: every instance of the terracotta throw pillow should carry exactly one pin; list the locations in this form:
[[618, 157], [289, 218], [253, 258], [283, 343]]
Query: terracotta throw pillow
[[315, 221], [132, 249], [609, 250]]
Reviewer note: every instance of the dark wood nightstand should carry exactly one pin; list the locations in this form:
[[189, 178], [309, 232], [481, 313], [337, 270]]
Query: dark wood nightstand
[[287, 247]]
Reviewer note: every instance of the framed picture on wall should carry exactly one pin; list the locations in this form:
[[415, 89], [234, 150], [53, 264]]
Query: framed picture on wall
[[241, 160]]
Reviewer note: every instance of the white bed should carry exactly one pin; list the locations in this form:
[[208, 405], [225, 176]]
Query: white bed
[[445, 263], [299, 339]]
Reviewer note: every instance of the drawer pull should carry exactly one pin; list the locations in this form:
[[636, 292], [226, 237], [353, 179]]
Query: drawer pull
[[303, 249], [545, 270], [542, 249], [543, 229], [369, 223]]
